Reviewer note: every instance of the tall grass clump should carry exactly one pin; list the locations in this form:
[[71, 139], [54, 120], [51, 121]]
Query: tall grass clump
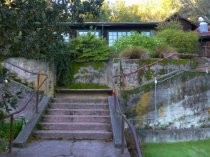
[[134, 53]]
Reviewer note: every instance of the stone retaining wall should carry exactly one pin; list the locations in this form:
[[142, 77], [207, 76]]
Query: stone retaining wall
[[135, 79], [36, 66], [89, 73], [177, 135], [180, 102], [24, 95]]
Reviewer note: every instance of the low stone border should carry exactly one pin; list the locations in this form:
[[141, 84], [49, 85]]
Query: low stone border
[[176, 135], [116, 123], [24, 135]]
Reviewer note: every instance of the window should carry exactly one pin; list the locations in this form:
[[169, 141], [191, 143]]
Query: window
[[66, 37], [147, 33], [113, 36], [85, 32]]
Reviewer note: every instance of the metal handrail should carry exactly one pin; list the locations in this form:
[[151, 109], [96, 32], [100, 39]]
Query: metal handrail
[[151, 64], [116, 102], [124, 119], [11, 115], [131, 127]]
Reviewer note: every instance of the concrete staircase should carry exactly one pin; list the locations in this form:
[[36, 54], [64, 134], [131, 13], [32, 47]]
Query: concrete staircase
[[77, 115]]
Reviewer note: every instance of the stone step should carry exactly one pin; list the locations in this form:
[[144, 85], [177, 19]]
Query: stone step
[[76, 118], [78, 106], [106, 92], [76, 126], [85, 96], [78, 112], [80, 100], [75, 134]]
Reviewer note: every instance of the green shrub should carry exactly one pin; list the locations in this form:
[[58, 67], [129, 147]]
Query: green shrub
[[89, 48], [5, 126], [134, 53], [2, 72], [62, 59], [1, 69], [184, 42], [5, 132], [138, 40]]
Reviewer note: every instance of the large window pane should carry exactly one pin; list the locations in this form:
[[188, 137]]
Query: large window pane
[[113, 36], [66, 37], [146, 33], [85, 32]]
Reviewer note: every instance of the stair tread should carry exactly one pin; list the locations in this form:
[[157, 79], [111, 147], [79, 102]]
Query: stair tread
[[75, 126], [75, 123], [72, 131], [53, 109], [78, 103], [89, 96], [83, 90], [80, 98], [77, 115], [96, 116], [78, 106]]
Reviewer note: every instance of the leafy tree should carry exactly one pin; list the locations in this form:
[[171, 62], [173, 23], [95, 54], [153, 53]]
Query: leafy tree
[[78, 10], [119, 12], [122, 13], [33, 28], [28, 28], [105, 12], [144, 10], [157, 10], [195, 8]]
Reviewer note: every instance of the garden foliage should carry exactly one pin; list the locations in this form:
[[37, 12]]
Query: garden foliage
[[5, 132], [169, 38], [134, 53], [89, 48], [183, 42], [138, 40], [33, 28]]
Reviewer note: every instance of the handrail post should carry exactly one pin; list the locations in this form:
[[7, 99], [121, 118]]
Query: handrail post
[[11, 134], [123, 136], [37, 92]]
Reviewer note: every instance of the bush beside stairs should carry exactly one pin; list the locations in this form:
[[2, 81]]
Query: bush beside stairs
[[77, 115]]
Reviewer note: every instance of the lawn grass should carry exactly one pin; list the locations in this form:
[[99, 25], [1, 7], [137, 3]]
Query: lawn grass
[[182, 149]]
